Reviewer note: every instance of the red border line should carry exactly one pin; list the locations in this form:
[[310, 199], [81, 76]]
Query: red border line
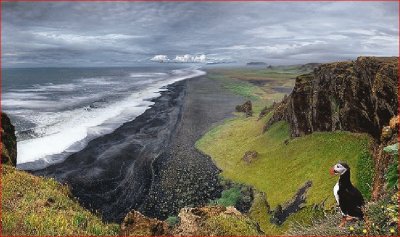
[[398, 72], [199, 0]]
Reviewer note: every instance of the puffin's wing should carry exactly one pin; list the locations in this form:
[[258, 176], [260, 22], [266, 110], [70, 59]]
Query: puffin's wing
[[351, 202], [357, 196]]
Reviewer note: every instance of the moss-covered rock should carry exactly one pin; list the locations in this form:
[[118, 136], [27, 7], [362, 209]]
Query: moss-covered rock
[[215, 221], [8, 141], [250, 156], [246, 108], [136, 224]]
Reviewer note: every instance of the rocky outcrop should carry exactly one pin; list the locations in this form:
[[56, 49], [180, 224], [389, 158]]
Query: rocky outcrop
[[200, 221], [250, 156], [8, 141], [245, 108], [214, 221], [356, 96], [136, 224]]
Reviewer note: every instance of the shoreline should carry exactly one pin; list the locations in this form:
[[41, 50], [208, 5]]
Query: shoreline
[[89, 121], [150, 164]]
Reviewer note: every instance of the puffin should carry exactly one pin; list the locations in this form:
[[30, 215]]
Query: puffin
[[348, 197]]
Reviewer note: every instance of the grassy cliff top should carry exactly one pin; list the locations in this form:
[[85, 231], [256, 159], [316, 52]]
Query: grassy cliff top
[[280, 170], [39, 206]]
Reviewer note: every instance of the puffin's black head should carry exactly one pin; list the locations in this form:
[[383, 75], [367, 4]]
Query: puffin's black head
[[339, 169]]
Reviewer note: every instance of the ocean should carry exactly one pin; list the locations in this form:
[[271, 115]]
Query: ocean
[[57, 111]]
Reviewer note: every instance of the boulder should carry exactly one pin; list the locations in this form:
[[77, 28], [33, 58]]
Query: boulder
[[214, 221], [250, 156], [136, 224], [394, 123], [245, 108]]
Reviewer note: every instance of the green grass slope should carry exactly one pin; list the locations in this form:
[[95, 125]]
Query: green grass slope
[[280, 170], [39, 206]]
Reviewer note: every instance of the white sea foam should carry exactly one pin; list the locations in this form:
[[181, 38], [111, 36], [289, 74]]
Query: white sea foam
[[27, 104], [39, 98], [71, 130], [152, 74]]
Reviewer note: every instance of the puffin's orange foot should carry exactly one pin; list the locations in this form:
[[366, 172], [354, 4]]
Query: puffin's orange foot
[[350, 218], [343, 222]]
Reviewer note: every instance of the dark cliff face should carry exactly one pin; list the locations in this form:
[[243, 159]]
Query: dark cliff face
[[358, 96], [8, 141]]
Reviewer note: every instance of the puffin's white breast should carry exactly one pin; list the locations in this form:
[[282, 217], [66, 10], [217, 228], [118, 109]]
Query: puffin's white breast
[[335, 192]]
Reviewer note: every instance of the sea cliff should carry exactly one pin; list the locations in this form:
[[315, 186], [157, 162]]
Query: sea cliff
[[355, 96], [8, 141]]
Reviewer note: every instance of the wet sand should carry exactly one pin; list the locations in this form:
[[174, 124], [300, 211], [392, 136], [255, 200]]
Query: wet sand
[[150, 164]]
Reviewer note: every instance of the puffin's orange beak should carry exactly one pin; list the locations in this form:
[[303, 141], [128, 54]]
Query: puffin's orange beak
[[332, 171]]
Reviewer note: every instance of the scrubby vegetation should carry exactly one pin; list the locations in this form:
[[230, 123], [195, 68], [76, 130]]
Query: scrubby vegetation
[[392, 175], [228, 197], [172, 221], [236, 195], [381, 219], [365, 174], [39, 206]]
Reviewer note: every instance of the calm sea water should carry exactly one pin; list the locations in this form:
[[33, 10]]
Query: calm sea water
[[56, 111]]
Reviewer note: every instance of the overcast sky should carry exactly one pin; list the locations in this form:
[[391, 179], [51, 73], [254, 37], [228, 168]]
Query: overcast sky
[[113, 34]]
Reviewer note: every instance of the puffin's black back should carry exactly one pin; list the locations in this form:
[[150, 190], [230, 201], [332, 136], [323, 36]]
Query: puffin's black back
[[351, 201], [350, 198]]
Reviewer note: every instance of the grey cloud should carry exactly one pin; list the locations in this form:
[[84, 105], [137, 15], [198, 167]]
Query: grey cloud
[[124, 33]]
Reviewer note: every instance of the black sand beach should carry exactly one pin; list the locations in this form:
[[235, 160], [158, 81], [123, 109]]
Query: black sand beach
[[150, 164]]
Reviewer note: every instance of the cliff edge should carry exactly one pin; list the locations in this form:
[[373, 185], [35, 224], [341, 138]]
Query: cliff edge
[[355, 96], [8, 141]]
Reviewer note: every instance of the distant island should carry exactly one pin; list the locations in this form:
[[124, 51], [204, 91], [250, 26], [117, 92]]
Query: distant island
[[256, 64]]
